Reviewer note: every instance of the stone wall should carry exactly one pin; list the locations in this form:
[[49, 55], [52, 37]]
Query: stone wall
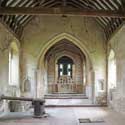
[[5, 42], [6, 38], [117, 43], [42, 29]]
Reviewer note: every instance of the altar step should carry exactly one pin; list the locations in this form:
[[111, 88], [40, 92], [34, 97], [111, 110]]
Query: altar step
[[69, 103], [65, 96], [64, 106]]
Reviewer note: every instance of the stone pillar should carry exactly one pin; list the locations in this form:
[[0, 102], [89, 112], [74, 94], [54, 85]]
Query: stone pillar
[[90, 88], [35, 84], [6, 106], [38, 83], [93, 86], [73, 73]]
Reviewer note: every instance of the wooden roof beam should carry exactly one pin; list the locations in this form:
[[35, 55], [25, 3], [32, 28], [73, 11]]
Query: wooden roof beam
[[60, 11]]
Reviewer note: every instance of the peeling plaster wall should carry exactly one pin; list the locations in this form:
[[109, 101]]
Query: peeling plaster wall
[[5, 40], [43, 28], [117, 43]]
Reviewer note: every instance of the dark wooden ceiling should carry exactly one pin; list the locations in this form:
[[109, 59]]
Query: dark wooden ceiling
[[109, 24]]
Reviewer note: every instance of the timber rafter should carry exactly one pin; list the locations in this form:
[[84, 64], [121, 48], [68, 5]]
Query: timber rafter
[[109, 14]]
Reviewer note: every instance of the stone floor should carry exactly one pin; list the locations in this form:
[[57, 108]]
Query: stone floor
[[65, 116]]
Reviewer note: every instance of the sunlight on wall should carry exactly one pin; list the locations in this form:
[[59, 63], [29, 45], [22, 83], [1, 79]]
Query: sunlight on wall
[[111, 70]]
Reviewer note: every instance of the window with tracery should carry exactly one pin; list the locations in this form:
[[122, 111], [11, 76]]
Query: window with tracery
[[65, 66]]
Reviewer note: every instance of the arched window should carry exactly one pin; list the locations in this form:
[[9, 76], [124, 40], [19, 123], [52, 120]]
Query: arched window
[[111, 70], [65, 66], [13, 65]]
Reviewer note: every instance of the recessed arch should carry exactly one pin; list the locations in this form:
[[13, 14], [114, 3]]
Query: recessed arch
[[64, 59], [65, 54]]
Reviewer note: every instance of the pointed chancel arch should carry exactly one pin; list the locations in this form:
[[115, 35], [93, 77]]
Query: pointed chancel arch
[[42, 65], [58, 38]]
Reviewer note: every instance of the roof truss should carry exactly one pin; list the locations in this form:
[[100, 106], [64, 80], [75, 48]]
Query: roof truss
[[17, 13]]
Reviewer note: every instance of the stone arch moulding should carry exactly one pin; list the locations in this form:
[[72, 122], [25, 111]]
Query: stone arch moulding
[[58, 38], [41, 63]]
